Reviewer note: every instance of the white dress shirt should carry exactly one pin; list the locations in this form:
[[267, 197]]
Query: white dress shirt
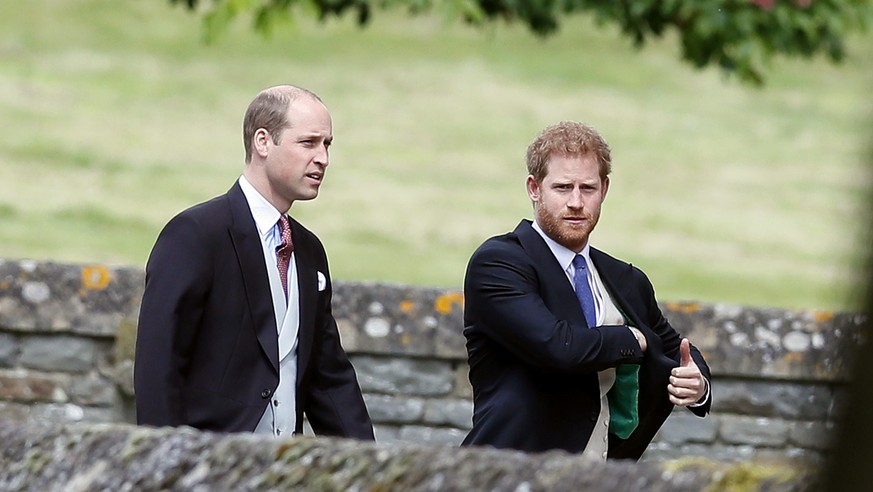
[[606, 314], [280, 416]]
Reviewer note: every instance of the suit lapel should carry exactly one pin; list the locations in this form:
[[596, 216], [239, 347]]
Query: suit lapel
[[554, 279], [307, 282], [653, 403], [256, 286], [616, 276]]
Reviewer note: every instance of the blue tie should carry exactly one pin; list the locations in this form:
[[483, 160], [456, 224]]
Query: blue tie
[[583, 290]]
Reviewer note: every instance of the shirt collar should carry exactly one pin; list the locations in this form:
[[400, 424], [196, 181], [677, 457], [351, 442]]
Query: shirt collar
[[563, 254], [264, 213]]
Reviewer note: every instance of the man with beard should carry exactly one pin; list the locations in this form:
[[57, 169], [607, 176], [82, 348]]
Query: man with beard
[[567, 346]]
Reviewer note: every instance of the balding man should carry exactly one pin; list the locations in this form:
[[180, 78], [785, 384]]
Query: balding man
[[236, 332]]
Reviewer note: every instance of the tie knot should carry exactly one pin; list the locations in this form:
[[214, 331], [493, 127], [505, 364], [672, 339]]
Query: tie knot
[[285, 230], [283, 223], [579, 262]]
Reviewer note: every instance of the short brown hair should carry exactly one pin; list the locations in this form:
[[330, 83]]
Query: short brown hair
[[269, 110], [567, 138]]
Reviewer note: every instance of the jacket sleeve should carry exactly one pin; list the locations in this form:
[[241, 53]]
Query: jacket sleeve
[[335, 405], [176, 286], [503, 301], [669, 337]]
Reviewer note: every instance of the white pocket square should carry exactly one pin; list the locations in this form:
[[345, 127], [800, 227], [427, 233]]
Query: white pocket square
[[322, 281]]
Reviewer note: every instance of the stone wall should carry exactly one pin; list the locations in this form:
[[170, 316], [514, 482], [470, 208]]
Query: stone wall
[[88, 457], [67, 334]]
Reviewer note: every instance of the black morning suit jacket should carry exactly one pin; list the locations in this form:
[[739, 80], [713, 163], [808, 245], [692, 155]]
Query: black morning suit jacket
[[207, 352], [533, 359]]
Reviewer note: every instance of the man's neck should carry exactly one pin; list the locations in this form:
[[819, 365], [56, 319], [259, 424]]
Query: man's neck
[[259, 182]]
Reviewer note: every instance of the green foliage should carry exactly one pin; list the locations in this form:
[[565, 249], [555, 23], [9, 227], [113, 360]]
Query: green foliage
[[739, 36]]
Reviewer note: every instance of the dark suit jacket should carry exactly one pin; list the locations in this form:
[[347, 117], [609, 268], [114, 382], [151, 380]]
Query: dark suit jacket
[[534, 361], [207, 352]]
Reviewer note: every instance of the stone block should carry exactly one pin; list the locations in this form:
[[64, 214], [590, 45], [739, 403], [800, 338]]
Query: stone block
[[393, 319], [415, 377], [809, 457], [123, 355], [798, 456], [8, 350], [30, 387], [83, 299], [449, 412], [67, 413], [684, 427], [753, 431], [431, 435], [14, 412], [92, 390], [812, 435], [663, 451], [386, 433], [812, 345], [386, 409], [781, 399], [840, 403], [463, 388], [58, 353]]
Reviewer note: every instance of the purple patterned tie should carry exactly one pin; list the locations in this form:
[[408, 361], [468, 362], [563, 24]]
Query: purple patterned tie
[[583, 290], [283, 252]]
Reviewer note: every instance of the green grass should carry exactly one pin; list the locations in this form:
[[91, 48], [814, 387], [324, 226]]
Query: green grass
[[115, 117]]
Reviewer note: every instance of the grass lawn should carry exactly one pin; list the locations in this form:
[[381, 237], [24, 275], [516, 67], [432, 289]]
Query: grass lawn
[[115, 117]]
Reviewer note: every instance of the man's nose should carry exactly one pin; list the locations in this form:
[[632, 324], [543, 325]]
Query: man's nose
[[575, 201], [322, 156]]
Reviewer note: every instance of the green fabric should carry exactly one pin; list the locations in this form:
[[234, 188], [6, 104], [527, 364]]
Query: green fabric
[[623, 398]]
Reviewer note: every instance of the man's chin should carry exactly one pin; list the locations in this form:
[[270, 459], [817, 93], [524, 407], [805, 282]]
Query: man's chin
[[310, 195], [573, 242]]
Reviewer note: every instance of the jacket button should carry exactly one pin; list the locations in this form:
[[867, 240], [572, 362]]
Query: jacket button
[[266, 393], [593, 417]]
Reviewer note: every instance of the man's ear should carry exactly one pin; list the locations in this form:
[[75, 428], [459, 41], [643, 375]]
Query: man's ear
[[533, 188], [605, 188], [260, 142]]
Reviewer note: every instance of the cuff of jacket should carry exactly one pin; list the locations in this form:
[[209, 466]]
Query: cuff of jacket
[[705, 398]]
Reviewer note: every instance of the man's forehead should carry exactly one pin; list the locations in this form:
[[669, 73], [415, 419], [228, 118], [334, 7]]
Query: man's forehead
[[311, 118]]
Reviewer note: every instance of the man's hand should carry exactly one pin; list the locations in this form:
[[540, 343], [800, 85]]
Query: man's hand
[[641, 339], [687, 385]]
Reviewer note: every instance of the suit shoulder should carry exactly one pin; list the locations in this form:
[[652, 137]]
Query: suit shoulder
[[208, 211], [203, 218], [605, 261], [508, 242], [500, 248], [301, 232]]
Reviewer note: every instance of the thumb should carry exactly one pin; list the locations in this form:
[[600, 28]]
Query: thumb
[[685, 352]]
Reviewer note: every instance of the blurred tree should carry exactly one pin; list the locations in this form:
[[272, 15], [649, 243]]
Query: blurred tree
[[739, 36]]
